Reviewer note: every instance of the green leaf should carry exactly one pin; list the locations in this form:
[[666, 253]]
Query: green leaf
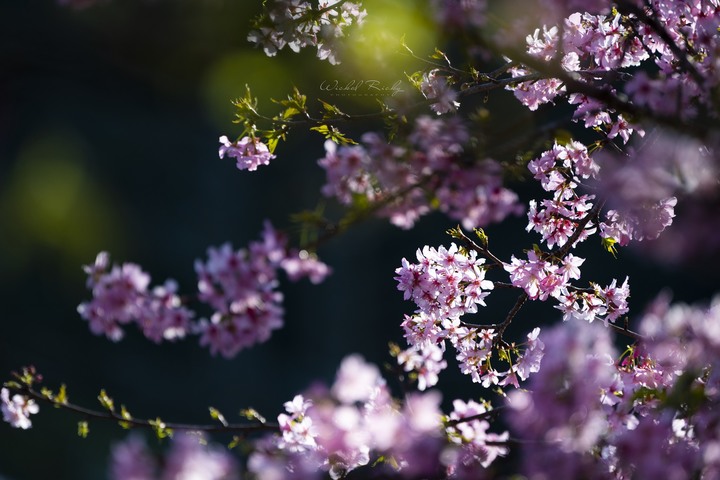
[[106, 401], [563, 137], [273, 137], [415, 79], [272, 144], [47, 393], [126, 416], [59, 399], [609, 245], [332, 133], [394, 349], [295, 102], [216, 415], [288, 113], [482, 237], [503, 355], [235, 442], [28, 376], [161, 430], [246, 109], [455, 232], [440, 55], [252, 414], [331, 111], [61, 396], [83, 429]]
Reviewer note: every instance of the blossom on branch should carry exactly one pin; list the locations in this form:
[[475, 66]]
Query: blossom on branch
[[121, 296], [403, 180], [435, 87], [298, 24], [249, 152], [343, 428], [16, 410], [241, 286]]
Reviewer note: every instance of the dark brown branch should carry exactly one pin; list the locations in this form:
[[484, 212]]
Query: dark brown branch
[[574, 84], [479, 249], [657, 27], [480, 416], [624, 330], [510, 316], [150, 424]]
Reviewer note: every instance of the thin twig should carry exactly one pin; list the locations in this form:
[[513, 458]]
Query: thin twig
[[480, 416], [141, 423], [510, 316], [481, 250]]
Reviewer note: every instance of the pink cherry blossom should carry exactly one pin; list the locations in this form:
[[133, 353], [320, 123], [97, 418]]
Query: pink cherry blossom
[[121, 296], [402, 177], [17, 409], [435, 87], [249, 152]]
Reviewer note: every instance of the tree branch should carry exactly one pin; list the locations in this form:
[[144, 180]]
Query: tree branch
[[150, 424]]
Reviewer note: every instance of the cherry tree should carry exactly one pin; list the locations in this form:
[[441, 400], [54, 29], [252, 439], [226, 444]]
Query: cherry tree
[[637, 84]]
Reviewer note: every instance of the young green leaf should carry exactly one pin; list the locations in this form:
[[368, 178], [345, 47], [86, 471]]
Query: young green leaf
[[106, 401], [83, 429]]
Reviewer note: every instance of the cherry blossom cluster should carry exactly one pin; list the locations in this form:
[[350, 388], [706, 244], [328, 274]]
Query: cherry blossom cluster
[[541, 277], [404, 178], [445, 284], [356, 422], [639, 190], [249, 152], [477, 446], [561, 413], [298, 24], [643, 192], [560, 171], [644, 187], [587, 414], [241, 287], [680, 37], [435, 87], [640, 223], [189, 457], [121, 296], [591, 44], [16, 409]]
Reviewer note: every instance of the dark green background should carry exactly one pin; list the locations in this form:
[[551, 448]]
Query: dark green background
[[109, 119]]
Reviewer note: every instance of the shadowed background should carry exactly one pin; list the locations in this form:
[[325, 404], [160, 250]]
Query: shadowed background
[[109, 120]]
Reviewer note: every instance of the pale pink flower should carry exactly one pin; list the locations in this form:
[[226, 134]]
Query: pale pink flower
[[17, 409], [131, 460], [434, 86], [249, 152], [356, 380]]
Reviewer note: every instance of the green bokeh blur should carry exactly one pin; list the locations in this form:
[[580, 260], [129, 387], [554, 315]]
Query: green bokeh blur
[[109, 120]]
